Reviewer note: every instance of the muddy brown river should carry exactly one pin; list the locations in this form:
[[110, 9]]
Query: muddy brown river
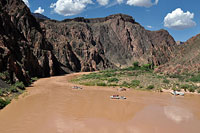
[[52, 106]]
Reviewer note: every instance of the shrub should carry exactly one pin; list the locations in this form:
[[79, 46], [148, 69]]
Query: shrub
[[34, 79], [147, 67], [88, 84], [4, 75], [125, 84], [166, 81], [136, 64], [113, 80], [3, 103], [13, 89], [150, 87], [129, 69], [19, 85], [195, 78], [198, 90], [101, 84], [191, 89], [185, 86], [179, 77], [1, 92], [135, 83]]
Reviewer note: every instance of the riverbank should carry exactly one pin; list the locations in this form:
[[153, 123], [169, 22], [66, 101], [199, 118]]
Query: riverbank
[[141, 78], [51, 105]]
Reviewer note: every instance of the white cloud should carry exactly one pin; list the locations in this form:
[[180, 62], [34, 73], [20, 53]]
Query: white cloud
[[26, 2], [70, 7], [120, 1], [103, 2], [39, 10], [149, 26], [179, 20], [142, 3]]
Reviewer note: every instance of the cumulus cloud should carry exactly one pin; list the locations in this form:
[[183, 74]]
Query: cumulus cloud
[[103, 2], [26, 2], [70, 7], [39, 10], [179, 20], [142, 3]]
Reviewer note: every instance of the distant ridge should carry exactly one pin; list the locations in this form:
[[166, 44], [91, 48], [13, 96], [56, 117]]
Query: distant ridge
[[39, 16]]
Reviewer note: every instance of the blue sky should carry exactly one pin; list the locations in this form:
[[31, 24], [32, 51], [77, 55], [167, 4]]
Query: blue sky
[[182, 23]]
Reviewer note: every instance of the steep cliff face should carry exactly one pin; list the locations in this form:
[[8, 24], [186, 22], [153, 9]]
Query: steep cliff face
[[31, 47], [186, 58], [24, 53], [116, 40]]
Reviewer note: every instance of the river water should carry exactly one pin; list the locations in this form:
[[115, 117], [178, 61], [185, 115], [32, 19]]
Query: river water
[[52, 106]]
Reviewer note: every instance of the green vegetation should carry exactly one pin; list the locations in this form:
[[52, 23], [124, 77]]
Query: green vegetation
[[135, 83], [3, 102], [7, 94], [101, 84], [34, 79], [195, 78], [113, 80], [19, 85], [150, 87], [140, 77], [166, 81], [136, 64], [11, 90]]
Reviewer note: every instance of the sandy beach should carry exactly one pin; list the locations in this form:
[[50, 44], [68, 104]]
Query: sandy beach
[[50, 105]]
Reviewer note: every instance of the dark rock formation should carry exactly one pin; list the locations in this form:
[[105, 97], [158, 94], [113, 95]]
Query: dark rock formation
[[116, 40], [186, 58], [23, 49], [32, 47]]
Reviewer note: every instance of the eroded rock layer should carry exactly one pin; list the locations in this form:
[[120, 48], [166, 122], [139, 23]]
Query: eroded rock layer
[[31, 47]]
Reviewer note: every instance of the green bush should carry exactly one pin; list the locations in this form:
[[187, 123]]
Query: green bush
[[150, 87], [136, 64], [1, 92], [13, 89], [125, 84], [195, 78], [135, 83], [179, 77], [185, 86], [166, 81], [101, 84], [107, 75], [191, 89], [88, 84], [19, 85], [4, 75], [113, 80], [147, 67], [198, 90], [34, 79], [3, 103]]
